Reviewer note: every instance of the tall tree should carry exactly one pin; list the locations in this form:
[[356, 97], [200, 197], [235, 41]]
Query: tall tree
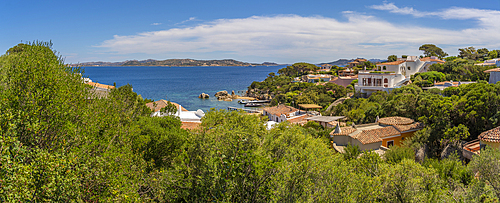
[[432, 50], [392, 58]]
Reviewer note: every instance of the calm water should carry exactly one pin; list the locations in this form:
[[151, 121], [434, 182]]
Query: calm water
[[182, 84]]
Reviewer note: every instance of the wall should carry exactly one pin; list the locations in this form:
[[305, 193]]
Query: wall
[[494, 77], [397, 140], [491, 144], [365, 147]]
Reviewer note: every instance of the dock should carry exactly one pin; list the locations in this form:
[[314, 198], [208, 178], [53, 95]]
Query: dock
[[245, 110], [254, 101]]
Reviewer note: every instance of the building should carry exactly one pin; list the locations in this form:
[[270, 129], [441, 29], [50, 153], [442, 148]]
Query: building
[[356, 62], [490, 138], [344, 80], [280, 113], [392, 75], [316, 78], [491, 62], [325, 120], [324, 68], [184, 115], [386, 132], [98, 90], [446, 84], [494, 75], [347, 72]]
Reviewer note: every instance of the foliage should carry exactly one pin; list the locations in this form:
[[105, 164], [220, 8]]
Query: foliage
[[351, 152], [392, 58], [432, 50], [473, 54], [427, 79], [396, 154], [486, 166]]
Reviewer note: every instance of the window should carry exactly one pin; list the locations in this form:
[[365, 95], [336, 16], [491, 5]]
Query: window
[[384, 68], [385, 80], [409, 68], [390, 143]]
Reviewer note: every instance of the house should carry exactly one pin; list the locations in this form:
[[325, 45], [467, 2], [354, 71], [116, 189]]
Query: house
[[490, 138], [324, 68], [386, 132], [347, 72], [316, 78], [184, 115], [98, 90], [356, 62], [494, 75], [344, 80], [280, 113], [390, 75], [446, 84], [324, 120], [491, 62]]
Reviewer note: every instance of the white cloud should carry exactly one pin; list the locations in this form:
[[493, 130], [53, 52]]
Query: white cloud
[[185, 21], [394, 9], [156, 24], [290, 38]]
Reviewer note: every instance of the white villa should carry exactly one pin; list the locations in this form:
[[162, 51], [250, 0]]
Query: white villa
[[392, 75], [182, 113]]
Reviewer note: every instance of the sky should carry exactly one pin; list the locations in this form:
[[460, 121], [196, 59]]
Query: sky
[[251, 31]]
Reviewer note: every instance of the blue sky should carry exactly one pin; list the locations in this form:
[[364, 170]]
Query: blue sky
[[252, 31]]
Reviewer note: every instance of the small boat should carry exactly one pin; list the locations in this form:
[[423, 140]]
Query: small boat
[[253, 105]]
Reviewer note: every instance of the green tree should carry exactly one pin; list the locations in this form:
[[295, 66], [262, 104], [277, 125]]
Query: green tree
[[432, 50], [392, 58]]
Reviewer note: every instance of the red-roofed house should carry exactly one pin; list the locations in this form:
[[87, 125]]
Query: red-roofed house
[[393, 74], [280, 113], [386, 132]]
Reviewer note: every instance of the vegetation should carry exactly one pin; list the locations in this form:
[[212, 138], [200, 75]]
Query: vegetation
[[60, 143], [432, 50]]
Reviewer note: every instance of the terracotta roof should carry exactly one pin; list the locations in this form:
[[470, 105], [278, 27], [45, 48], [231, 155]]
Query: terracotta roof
[[414, 126], [279, 110], [344, 131], [190, 125], [492, 70], [390, 63], [299, 119], [442, 83], [334, 123], [101, 85], [310, 106], [161, 104], [430, 59], [395, 120], [492, 135]]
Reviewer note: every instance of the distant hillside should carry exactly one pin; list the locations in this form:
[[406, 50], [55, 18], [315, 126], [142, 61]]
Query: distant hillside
[[345, 62], [176, 62]]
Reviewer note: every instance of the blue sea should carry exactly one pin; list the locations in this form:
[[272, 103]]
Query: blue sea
[[183, 85]]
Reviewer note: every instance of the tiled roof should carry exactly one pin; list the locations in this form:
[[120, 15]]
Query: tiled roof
[[190, 125], [396, 120], [299, 119], [492, 135], [161, 104], [281, 109], [492, 70], [431, 59], [390, 63], [344, 131], [101, 85], [334, 123], [372, 136], [414, 126], [442, 83]]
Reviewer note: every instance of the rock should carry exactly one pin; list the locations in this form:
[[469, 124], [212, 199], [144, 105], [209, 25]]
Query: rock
[[221, 93], [204, 96], [228, 99], [232, 93]]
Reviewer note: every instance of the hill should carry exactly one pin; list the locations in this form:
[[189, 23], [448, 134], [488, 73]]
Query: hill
[[176, 62], [345, 62]]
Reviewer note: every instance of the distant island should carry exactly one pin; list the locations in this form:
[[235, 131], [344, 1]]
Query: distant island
[[176, 63], [345, 62]]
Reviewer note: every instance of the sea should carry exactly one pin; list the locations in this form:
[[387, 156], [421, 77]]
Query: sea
[[183, 85]]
